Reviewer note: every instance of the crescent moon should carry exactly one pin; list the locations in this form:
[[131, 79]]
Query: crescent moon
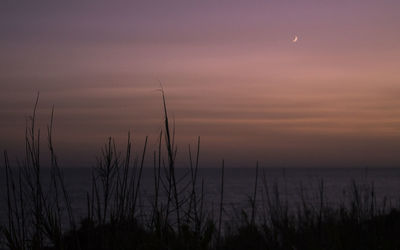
[[296, 38]]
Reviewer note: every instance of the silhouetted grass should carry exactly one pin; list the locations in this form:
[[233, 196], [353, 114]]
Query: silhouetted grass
[[178, 217]]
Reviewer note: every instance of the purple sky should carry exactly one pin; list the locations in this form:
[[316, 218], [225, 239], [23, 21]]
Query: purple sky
[[231, 73]]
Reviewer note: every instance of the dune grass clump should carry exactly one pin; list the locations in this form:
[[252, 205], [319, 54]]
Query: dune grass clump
[[177, 216]]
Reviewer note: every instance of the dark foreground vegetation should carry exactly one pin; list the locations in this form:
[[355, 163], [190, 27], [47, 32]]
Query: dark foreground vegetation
[[41, 217]]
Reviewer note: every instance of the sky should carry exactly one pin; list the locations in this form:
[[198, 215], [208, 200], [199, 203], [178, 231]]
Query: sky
[[231, 74]]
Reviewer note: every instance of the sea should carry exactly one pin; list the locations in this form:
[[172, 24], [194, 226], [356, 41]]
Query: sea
[[294, 185]]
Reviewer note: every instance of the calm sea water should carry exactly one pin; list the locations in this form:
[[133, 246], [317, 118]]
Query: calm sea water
[[239, 185]]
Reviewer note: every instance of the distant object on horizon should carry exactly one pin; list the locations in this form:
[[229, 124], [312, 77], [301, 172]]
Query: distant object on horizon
[[295, 39]]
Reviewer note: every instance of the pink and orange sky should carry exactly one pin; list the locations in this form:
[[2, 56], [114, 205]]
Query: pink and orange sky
[[230, 70]]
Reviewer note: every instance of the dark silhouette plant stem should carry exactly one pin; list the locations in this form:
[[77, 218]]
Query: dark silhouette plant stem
[[253, 201], [171, 160]]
